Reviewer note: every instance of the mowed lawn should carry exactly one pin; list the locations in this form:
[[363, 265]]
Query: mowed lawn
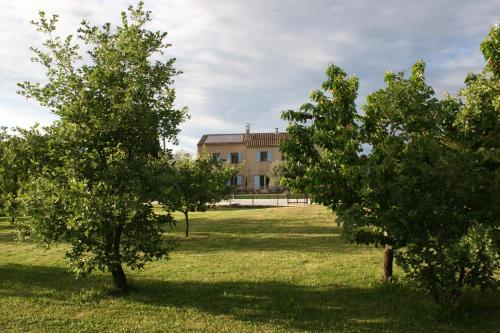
[[242, 270]]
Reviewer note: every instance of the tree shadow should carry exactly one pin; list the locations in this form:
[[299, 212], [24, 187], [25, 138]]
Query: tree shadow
[[8, 238], [212, 242], [289, 306], [6, 227], [28, 280]]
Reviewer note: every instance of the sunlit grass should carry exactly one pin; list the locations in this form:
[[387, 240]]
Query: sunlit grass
[[242, 270]]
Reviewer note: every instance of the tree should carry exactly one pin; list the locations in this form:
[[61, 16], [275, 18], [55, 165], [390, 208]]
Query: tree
[[18, 151], [104, 165], [281, 170], [395, 174], [197, 183], [7, 172]]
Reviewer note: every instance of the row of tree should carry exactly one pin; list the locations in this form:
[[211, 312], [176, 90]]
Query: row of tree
[[415, 173], [90, 178]]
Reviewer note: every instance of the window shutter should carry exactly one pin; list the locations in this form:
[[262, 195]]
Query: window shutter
[[240, 158], [228, 157], [258, 156], [256, 182], [269, 156], [238, 180]]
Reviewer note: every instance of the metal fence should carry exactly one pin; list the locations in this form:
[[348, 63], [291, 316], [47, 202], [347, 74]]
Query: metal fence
[[276, 197]]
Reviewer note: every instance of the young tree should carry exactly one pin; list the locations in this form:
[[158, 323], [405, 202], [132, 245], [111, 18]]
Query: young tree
[[196, 184], [7, 172], [406, 189], [18, 152], [281, 170], [104, 165]]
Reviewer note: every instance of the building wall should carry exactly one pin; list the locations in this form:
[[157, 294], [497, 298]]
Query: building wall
[[252, 166]]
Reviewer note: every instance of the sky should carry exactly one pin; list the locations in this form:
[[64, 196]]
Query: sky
[[246, 61]]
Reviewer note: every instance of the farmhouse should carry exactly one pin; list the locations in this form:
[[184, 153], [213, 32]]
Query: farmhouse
[[255, 150]]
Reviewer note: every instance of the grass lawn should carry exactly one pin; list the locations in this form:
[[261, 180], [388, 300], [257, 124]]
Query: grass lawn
[[243, 270]]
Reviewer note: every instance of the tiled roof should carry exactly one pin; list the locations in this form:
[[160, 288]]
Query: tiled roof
[[264, 139], [249, 139]]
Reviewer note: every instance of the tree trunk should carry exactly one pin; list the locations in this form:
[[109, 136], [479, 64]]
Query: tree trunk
[[119, 277], [388, 261], [187, 223], [116, 268]]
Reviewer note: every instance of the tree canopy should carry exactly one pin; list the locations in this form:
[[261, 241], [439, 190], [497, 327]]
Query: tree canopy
[[103, 163], [412, 172], [195, 184]]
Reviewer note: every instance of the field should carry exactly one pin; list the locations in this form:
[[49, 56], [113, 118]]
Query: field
[[242, 270]]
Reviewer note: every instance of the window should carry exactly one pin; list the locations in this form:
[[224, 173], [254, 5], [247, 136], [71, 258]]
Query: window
[[263, 156], [234, 158], [263, 181], [216, 156], [236, 181]]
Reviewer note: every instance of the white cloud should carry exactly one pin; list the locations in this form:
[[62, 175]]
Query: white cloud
[[244, 61]]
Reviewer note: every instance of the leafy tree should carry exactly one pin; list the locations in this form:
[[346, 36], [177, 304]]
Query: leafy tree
[[196, 184], [17, 153], [281, 170], [395, 175], [103, 164], [7, 172]]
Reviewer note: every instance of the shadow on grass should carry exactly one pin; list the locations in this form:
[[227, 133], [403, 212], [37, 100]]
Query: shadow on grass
[[265, 226], [7, 237], [6, 227], [212, 242], [289, 306], [28, 280]]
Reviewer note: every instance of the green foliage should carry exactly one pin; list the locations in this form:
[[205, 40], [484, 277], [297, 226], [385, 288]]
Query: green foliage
[[196, 184], [102, 165], [280, 171], [415, 173], [19, 152], [8, 182]]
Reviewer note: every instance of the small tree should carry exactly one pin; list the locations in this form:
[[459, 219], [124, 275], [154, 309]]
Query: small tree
[[18, 153], [280, 170], [103, 164], [196, 184], [7, 172], [395, 175]]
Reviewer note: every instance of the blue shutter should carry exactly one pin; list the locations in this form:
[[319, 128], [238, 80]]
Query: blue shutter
[[256, 182], [269, 156], [228, 159], [240, 158], [258, 156], [238, 180]]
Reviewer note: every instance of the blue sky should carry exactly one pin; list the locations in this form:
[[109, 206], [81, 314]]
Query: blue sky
[[246, 61]]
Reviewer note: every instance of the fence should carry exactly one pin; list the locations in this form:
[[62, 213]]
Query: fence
[[276, 197]]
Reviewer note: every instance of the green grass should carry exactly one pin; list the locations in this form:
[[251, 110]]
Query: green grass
[[243, 270]]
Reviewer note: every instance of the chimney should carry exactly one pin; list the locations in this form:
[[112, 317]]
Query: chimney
[[248, 128], [277, 130]]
